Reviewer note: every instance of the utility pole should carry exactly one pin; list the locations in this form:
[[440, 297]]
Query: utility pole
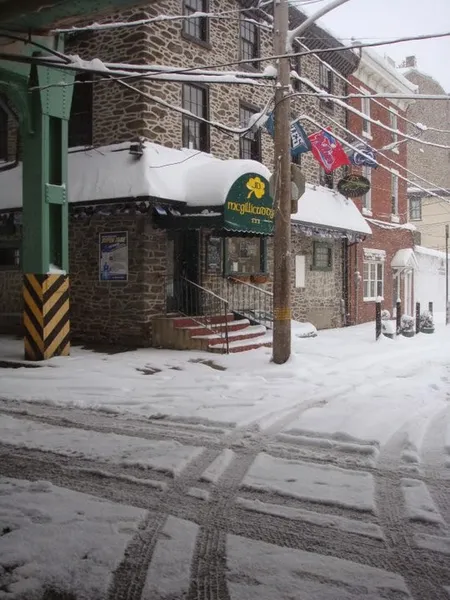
[[446, 274], [282, 175]]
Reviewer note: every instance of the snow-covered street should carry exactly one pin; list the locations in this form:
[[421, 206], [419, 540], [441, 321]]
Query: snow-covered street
[[157, 474]]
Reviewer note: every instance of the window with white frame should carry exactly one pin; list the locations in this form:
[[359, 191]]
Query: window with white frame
[[367, 198], [393, 124], [394, 194], [365, 109], [373, 279], [415, 209]]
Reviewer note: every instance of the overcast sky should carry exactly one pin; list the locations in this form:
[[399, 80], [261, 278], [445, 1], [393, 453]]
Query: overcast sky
[[395, 18]]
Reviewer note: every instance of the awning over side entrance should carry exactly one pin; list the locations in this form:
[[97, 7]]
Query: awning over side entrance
[[325, 208], [404, 259]]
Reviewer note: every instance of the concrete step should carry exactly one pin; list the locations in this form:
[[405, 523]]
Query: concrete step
[[263, 341], [182, 322]]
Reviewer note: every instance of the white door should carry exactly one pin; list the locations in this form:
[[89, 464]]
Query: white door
[[407, 283]]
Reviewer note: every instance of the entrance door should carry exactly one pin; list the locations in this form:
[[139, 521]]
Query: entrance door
[[408, 293], [187, 272]]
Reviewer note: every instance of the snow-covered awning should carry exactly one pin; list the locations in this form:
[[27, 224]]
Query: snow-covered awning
[[404, 259], [111, 172], [325, 208]]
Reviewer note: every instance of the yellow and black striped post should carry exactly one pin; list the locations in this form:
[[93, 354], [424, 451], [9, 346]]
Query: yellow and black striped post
[[46, 316]]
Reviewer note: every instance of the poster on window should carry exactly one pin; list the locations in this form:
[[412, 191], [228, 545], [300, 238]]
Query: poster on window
[[113, 263]]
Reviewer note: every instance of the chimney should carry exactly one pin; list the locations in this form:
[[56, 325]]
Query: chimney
[[411, 62]]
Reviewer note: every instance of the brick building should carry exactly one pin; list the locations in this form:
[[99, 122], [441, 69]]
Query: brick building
[[384, 264], [110, 122]]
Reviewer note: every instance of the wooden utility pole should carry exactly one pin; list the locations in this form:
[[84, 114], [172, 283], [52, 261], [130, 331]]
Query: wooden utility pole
[[282, 176], [446, 274]]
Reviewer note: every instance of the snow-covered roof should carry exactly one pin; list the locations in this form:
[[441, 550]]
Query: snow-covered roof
[[328, 208], [429, 252], [111, 172], [404, 259]]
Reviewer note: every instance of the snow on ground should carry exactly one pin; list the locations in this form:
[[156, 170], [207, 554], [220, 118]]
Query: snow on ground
[[41, 520], [164, 456], [355, 390], [317, 483], [419, 504], [262, 571]]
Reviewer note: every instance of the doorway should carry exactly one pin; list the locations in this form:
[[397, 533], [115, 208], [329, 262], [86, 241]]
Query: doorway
[[186, 272]]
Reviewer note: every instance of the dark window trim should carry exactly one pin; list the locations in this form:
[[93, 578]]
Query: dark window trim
[[204, 42], [84, 117], [327, 105], [251, 66], [254, 109], [11, 245], [263, 260], [326, 179], [207, 126], [316, 246]]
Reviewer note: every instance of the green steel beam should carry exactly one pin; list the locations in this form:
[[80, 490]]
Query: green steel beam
[[40, 15]]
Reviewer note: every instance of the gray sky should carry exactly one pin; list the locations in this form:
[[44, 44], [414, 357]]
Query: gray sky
[[395, 18]]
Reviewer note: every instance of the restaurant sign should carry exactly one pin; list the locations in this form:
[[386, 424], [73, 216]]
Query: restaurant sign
[[249, 206]]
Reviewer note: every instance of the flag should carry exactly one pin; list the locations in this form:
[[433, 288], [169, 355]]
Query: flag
[[328, 151], [299, 140], [357, 159]]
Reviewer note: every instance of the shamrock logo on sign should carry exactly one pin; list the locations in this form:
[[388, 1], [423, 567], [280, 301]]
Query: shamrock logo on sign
[[256, 187]]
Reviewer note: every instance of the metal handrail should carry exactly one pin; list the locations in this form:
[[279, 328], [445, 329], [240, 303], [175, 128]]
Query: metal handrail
[[250, 285], [184, 297]]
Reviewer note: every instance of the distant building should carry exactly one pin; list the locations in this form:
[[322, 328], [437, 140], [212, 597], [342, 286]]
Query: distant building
[[383, 265], [426, 211]]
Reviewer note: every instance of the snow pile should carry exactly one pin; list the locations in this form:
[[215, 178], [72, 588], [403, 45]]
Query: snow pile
[[38, 520]]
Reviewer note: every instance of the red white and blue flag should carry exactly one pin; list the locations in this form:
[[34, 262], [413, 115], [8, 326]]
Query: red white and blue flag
[[328, 151]]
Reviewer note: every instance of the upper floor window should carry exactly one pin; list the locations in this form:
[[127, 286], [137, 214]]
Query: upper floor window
[[195, 132], [367, 198], [9, 255], [3, 135], [80, 124], [415, 209], [394, 194], [326, 82], [296, 66], [322, 256], [250, 144], [393, 124], [197, 27], [249, 42], [365, 109]]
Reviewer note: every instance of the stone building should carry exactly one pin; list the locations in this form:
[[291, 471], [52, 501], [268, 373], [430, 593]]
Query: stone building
[[383, 266], [429, 213], [155, 210]]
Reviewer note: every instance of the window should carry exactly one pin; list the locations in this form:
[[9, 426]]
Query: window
[[250, 143], [394, 194], [196, 28], [365, 109], [415, 209], [195, 133], [297, 159], [367, 198], [373, 280], [322, 257], [9, 255], [80, 124], [3, 135], [326, 179], [249, 42], [297, 67], [245, 255], [326, 83], [393, 124]]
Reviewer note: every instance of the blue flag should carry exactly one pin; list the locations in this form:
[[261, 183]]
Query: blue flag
[[299, 140], [359, 160]]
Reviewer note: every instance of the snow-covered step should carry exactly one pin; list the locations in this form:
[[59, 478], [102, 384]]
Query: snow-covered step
[[249, 332], [211, 328], [243, 345]]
